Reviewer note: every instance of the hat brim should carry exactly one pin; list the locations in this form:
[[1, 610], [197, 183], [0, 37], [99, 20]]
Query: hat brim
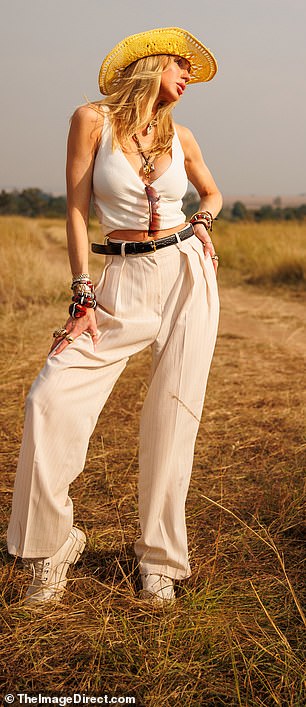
[[167, 40]]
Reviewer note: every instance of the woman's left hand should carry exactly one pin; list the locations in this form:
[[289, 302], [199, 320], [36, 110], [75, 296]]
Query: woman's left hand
[[209, 251]]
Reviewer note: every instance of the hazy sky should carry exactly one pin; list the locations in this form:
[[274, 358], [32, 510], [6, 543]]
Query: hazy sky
[[250, 120]]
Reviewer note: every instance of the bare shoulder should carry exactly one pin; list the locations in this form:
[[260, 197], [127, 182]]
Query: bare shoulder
[[86, 126], [88, 115], [183, 132], [186, 138]]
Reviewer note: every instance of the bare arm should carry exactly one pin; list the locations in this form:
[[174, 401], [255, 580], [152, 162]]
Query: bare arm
[[83, 140], [81, 148], [198, 172], [201, 178]]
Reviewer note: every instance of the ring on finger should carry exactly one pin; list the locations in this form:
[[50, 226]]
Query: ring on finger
[[59, 332], [69, 338], [215, 257]]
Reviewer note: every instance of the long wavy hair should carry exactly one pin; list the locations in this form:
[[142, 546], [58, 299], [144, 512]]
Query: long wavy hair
[[131, 102]]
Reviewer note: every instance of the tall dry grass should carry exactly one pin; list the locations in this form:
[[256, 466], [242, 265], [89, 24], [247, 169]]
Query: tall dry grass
[[34, 262], [236, 635], [29, 272], [269, 253]]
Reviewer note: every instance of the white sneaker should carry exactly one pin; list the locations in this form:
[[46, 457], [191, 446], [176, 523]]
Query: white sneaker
[[49, 574], [157, 589]]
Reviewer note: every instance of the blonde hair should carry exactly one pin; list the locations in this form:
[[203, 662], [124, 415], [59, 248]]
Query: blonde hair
[[131, 103]]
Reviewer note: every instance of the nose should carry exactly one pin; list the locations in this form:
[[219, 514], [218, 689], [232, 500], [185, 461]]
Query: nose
[[185, 71]]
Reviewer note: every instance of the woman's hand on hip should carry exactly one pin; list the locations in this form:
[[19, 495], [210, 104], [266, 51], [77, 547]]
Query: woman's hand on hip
[[209, 251], [73, 328]]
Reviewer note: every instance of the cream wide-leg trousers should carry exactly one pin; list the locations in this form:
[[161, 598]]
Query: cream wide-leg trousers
[[167, 300]]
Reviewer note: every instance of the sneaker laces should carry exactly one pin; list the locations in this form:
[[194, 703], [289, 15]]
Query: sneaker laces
[[40, 569]]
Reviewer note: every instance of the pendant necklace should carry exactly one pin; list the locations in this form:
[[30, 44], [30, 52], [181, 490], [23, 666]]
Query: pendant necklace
[[148, 166], [150, 126]]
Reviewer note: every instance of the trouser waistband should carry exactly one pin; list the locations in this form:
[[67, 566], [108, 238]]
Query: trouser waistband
[[142, 247]]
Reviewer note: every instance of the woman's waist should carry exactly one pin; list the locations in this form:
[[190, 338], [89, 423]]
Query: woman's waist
[[131, 235]]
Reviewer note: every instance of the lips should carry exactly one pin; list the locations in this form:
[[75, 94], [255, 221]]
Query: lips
[[181, 88]]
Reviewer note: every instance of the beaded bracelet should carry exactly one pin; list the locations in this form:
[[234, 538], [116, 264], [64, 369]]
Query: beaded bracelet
[[204, 217], [82, 281], [82, 288], [86, 301], [80, 278], [83, 296], [79, 306], [77, 311]]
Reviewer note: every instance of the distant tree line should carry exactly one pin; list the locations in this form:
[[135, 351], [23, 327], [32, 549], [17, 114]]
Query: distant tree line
[[239, 212], [32, 202], [268, 212], [35, 202]]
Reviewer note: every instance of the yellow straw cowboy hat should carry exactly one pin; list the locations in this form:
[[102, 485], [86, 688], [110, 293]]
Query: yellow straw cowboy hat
[[166, 40]]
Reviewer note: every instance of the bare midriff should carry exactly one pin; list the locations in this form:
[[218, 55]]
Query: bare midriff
[[144, 235]]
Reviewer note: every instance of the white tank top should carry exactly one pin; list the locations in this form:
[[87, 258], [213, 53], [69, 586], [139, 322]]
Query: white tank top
[[119, 194]]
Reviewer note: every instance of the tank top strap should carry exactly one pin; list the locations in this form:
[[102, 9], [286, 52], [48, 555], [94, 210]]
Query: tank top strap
[[177, 150], [106, 130]]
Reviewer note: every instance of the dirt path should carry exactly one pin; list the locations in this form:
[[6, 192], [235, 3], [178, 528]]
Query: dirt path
[[269, 319]]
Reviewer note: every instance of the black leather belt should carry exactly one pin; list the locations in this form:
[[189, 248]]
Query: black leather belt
[[141, 247]]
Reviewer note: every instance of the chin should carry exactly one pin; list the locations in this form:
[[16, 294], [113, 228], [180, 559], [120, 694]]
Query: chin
[[174, 99], [171, 97]]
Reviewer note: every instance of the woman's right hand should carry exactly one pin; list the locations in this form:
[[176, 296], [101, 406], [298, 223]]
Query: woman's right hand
[[75, 327]]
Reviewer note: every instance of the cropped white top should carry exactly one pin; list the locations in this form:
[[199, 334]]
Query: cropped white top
[[119, 195]]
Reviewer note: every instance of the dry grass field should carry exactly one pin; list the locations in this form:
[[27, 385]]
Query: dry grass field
[[236, 635]]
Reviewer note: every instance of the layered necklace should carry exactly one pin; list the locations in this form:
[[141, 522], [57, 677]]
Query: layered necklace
[[148, 163], [151, 194]]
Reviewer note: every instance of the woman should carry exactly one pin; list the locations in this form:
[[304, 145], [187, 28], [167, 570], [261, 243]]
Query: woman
[[158, 289]]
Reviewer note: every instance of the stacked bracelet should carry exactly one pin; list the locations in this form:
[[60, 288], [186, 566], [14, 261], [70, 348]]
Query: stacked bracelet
[[83, 296], [204, 217]]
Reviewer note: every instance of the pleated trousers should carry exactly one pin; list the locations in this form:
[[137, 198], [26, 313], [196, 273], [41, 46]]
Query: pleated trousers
[[167, 300]]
